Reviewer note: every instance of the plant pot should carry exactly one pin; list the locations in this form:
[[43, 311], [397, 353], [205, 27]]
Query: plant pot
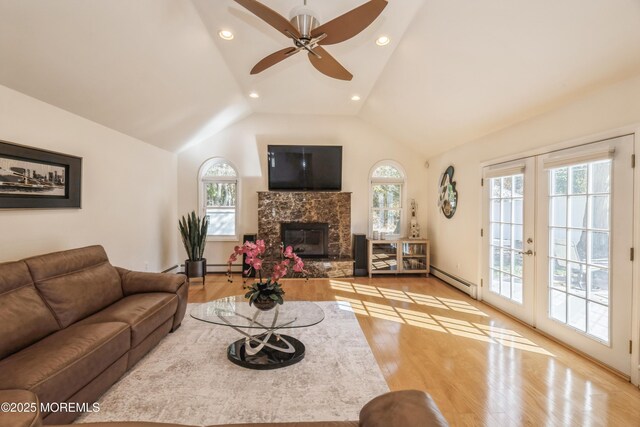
[[195, 268], [264, 304]]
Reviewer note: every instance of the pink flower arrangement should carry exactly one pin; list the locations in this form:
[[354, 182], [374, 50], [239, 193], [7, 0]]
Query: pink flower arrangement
[[265, 294], [255, 253]]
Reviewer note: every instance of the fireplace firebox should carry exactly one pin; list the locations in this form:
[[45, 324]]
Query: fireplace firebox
[[308, 239]]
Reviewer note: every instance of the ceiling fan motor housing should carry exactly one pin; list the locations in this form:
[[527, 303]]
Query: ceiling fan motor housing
[[305, 21]]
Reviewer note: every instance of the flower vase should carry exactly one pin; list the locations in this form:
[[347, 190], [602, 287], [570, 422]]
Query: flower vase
[[264, 303]]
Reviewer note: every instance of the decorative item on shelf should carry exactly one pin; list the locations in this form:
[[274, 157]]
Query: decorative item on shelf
[[193, 231], [414, 232], [448, 200], [264, 295]]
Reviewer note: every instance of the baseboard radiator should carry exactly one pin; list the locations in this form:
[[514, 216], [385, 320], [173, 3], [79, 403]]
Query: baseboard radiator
[[211, 268], [457, 282]]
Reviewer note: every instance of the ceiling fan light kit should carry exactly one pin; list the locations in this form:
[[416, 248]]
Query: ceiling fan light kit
[[305, 20], [304, 30]]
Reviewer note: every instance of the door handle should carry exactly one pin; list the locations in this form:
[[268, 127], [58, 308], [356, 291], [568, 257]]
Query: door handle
[[529, 252]]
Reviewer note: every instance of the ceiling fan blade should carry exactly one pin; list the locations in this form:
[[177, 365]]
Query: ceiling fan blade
[[328, 65], [273, 59], [351, 23], [270, 16]]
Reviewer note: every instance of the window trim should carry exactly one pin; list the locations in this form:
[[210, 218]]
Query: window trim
[[403, 190], [202, 208]]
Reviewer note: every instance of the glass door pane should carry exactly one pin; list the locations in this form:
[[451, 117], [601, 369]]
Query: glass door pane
[[414, 256], [384, 257], [579, 235], [506, 244]]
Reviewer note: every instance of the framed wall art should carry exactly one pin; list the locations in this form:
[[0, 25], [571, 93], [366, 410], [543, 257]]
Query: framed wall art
[[33, 178]]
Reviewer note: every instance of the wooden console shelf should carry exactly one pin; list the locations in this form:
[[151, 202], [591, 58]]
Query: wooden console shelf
[[400, 256]]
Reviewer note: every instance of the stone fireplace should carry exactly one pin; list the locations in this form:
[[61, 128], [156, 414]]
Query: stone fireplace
[[316, 223]]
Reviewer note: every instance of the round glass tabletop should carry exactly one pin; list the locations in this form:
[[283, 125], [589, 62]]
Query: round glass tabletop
[[235, 311]]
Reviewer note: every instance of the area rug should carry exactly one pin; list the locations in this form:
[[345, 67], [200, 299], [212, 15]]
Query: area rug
[[187, 378]]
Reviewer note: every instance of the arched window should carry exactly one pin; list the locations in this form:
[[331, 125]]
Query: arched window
[[219, 198], [386, 202]]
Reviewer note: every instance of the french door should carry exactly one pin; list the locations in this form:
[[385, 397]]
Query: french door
[[585, 237], [576, 268], [509, 189]]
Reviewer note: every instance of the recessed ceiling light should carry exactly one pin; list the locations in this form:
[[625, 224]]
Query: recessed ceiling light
[[383, 40], [355, 98], [225, 35], [254, 95]]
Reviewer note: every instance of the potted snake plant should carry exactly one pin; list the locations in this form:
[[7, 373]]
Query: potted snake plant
[[193, 230]]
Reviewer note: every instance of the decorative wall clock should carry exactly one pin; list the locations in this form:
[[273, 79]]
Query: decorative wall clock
[[448, 199]]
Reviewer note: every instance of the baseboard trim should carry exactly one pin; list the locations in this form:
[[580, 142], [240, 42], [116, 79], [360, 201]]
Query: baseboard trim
[[457, 282], [170, 269], [212, 268]]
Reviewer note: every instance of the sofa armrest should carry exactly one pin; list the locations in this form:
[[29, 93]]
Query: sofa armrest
[[407, 408], [20, 408], [136, 282]]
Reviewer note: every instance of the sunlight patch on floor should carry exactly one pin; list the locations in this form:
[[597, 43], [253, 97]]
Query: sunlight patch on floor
[[410, 297], [438, 323]]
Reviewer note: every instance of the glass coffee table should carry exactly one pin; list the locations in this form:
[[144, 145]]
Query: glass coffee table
[[263, 346]]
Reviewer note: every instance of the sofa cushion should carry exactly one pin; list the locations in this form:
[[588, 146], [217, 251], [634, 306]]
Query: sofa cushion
[[24, 316], [61, 364], [14, 275], [144, 313], [76, 283]]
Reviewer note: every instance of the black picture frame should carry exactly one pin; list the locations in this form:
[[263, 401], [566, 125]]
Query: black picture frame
[[39, 179]]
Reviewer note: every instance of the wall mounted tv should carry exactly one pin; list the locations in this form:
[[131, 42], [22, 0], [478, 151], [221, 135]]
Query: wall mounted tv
[[305, 167]]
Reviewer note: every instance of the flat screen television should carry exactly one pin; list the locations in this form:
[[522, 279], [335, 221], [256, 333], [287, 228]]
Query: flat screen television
[[305, 167]]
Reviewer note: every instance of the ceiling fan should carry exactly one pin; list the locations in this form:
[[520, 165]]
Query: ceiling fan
[[307, 35]]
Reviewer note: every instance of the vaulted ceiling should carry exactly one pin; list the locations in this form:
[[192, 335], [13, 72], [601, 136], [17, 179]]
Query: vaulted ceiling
[[454, 70]]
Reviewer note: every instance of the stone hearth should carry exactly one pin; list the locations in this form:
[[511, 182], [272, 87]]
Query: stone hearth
[[333, 208]]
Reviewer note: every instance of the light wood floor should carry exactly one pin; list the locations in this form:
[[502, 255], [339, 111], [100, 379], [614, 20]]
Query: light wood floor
[[481, 367]]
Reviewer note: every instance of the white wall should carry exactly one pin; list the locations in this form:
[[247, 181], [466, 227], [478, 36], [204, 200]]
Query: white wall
[[456, 242], [128, 190], [245, 145]]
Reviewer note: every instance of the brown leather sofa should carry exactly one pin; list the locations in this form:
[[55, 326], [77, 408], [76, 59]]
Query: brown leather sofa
[[408, 408], [71, 324]]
